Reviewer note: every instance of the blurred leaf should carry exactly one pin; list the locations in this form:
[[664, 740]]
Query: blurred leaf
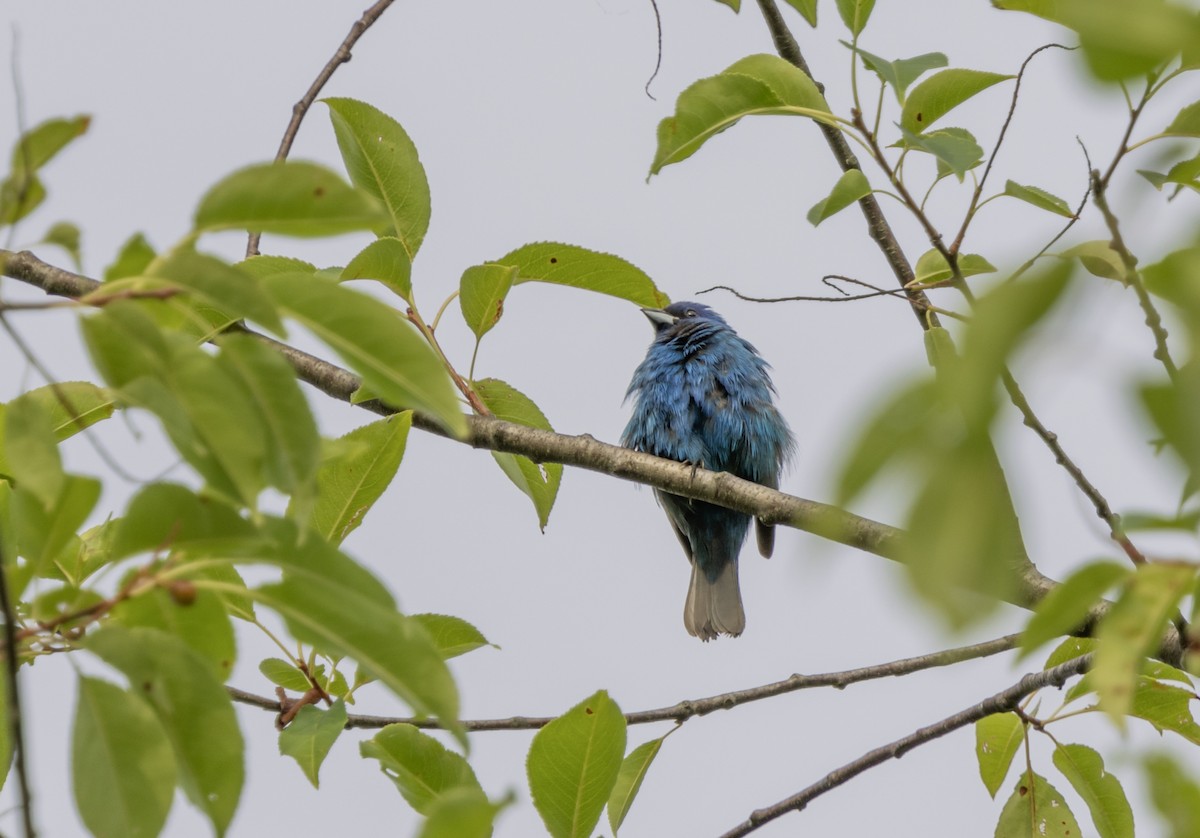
[[420, 766], [1132, 629], [577, 267], [461, 813], [629, 780], [539, 481], [901, 73], [939, 94], [758, 84], [1036, 810], [309, 736], [736, 5], [1166, 707], [31, 451], [200, 621], [1069, 649], [1175, 793], [481, 295], [1149, 521], [284, 674], [134, 257], [262, 266], [43, 532], [1066, 607], [573, 765], [955, 149], [1040, 198], [192, 707], [855, 13], [386, 261], [997, 739], [1101, 791], [88, 405], [896, 431], [806, 8], [350, 482], [290, 198], [40, 144], [20, 194], [932, 267], [1186, 122], [1099, 259], [381, 159], [453, 636], [851, 186], [66, 235], [229, 289], [393, 360], [1184, 173], [122, 767], [166, 516]]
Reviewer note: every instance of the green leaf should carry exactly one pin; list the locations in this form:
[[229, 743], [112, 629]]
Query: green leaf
[[1132, 628], [855, 13], [759, 84], [1036, 810], [462, 813], [629, 780], [1099, 259], [229, 289], [577, 267], [421, 767], [308, 737], [932, 267], [264, 265], [539, 481], [163, 514], [851, 186], [393, 360], [382, 160], [1101, 791], [1186, 123], [1066, 607], [1184, 173], [1175, 793], [20, 194], [192, 707], [66, 235], [355, 477], [122, 768], [736, 5], [901, 73], [481, 295], [1069, 649], [42, 533], [198, 618], [939, 94], [289, 198], [1040, 198], [71, 406], [1166, 707], [895, 432], [386, 261], [997, 739], [956, 150], [31, 452], [573, 765], [807, 10], [134, 257], [39, 145], [284, 674], [453, 636]]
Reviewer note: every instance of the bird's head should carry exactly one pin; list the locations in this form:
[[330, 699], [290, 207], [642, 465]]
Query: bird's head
[[683, 317]]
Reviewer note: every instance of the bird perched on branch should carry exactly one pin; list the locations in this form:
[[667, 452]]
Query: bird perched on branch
[[703, 396]]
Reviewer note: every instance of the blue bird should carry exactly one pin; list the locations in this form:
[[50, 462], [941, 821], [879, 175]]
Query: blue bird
[[703, 396]]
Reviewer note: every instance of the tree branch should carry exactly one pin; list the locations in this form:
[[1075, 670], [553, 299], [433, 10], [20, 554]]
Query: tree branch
[[16, 730], [684, 710], [1002, 702]]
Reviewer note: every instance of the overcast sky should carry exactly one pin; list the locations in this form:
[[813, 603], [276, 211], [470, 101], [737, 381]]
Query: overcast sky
[[532, 123]]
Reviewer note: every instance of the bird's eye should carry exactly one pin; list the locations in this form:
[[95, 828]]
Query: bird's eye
[[691, 312]]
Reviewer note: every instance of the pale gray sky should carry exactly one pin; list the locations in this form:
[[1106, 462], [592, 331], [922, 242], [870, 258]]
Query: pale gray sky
[[532, 124]]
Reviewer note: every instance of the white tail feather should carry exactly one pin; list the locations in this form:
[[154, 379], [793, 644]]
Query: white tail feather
[[714, 608]]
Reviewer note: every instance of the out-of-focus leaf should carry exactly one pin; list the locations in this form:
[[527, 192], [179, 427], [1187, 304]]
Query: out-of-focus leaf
[[1099, 259], [264, 265], [481, 295], [1166, 707], [122, 767], [577, 267], [573, 765], [997, 738], [896, 431], [31, 452], [539, 481], [71, 406], [353, 479], [290, 198], [758, 84], [851, 186], [421, 767], [806, 8], [164, 515], [1040, 198], [134, 257], [386, 261], [196, 617], [381, 159], [40, 144], [1184, 173], [629, 780], [309, 736], [283, 674], [66, 235], [231, 290], [43, 532], [1036, 810], [855, 13], [939, 94], [1186, 123], [461, 813], [1066, 606], [1175, 793], [1100, 790], [453, 636]]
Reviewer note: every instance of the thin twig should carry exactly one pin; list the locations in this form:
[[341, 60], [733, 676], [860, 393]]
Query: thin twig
[[658, 61], [16, 730], [1002, 702], [898, 293], [1087, 193], [1123, 147], [301, 108], [684, 710]]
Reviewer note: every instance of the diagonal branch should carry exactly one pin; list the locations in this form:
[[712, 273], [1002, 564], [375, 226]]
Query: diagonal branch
[[1002, 702], [684, 710]]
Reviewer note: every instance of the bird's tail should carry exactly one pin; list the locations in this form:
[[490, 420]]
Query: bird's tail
[[714, 607]]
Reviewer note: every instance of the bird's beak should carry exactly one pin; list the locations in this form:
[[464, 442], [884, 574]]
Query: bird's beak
[[658, 317]]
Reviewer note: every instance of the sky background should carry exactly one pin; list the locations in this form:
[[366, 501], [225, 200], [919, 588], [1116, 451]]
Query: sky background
[[532, 123]]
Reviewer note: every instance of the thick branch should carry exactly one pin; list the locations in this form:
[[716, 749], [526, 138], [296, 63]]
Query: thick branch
[[1002, 702], [685, 710]]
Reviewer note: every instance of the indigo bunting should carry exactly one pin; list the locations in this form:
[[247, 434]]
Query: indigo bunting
[[703, 396]]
